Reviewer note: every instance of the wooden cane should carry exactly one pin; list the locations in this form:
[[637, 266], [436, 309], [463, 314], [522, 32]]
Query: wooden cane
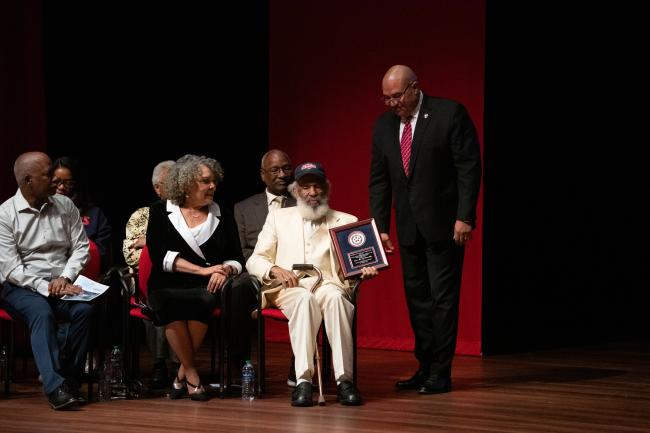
[[321, 397]]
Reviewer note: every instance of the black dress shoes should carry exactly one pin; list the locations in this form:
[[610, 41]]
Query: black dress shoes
[[61, 399], [74, 392], [197, 393], [301, 396], [436, 385], [178, 390], [348, 394], [414, 382]]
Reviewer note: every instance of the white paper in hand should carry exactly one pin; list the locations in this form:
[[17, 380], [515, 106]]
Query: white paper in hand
[[90, 290]]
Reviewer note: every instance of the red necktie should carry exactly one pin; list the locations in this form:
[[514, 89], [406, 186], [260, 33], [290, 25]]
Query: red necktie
[[405, 145]]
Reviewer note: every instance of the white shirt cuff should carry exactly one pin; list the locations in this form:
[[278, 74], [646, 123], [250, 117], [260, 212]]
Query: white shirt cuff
[[235, 265], [168, 261], [43, 288]]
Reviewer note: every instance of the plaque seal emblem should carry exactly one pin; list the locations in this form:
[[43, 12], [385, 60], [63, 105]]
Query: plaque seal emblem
[[356, 238]]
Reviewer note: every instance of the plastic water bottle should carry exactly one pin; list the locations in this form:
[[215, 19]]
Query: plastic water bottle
[[3, 362], [105, 379], [118, 387], [248, 381]]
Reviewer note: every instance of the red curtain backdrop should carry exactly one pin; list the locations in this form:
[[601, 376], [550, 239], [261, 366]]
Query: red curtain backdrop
[[327, 60], [22, 105]]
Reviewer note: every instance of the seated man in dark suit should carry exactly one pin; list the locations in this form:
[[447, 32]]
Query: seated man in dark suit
[[43, 247], [250, 214]]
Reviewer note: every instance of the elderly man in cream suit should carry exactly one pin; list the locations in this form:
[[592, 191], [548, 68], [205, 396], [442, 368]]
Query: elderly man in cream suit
[[301, 235]]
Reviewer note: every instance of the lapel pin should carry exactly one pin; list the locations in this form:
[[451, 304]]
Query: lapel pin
[[426, 115]]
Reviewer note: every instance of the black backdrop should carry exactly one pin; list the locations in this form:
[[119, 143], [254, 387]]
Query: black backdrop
[[130, 85], [566, 238]]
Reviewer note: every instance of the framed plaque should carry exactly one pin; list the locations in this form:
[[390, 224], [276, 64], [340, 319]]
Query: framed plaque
[[358, 245]]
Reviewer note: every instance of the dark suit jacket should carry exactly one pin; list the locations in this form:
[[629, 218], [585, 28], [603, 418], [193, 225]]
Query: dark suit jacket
[[250, 215], [444, 172], [162, 236]]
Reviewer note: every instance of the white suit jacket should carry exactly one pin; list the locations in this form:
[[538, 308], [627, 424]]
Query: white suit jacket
[[281, 243]]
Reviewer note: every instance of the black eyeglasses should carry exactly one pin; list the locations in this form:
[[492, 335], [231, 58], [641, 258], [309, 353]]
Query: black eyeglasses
[[68, 183], [395, 96], [276, 170]]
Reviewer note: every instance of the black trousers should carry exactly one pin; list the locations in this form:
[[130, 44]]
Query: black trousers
[[432, 276]]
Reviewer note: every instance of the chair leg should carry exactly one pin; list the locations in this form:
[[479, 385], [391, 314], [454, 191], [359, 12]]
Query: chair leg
[[326, 356], [212, 332], [135, 351], [26, 347], [8, 373], [354, 347], [261, 355], [91, 372], [222, 353], [125, 342]]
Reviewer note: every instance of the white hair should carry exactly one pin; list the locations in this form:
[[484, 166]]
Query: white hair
[[158, 171]]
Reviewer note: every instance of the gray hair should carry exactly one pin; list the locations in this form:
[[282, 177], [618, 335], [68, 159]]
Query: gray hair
[[159, 169], [183, 174]]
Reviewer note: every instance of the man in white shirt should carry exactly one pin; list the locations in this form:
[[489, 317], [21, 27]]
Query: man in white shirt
[[43, 248], [301, 235]]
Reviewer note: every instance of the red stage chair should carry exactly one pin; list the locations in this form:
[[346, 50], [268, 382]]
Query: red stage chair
[[7, 376], [136, 307], [92, 271], [276, 314]]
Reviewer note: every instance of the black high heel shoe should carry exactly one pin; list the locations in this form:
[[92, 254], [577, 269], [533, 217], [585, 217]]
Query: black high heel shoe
[[179, 389], [198, 392]]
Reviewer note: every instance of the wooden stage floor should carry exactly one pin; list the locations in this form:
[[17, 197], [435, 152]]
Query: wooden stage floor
[[590, 389]]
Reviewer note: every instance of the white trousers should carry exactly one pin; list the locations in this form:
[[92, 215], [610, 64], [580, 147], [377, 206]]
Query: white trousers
[[305, 312]]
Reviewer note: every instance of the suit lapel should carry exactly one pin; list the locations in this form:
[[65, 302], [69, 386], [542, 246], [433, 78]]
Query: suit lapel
[[261, 209], [289, 201]]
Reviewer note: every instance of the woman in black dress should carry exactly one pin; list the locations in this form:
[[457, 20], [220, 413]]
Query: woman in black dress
[[194, 247]]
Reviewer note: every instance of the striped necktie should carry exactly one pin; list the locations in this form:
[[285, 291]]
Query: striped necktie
[[405, 144], [276, 203]]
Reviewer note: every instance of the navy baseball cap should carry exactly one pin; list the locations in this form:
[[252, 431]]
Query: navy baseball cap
[[305, 168]]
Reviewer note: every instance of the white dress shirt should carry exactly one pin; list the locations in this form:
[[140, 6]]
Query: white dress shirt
[[274, 201], [39, 245]]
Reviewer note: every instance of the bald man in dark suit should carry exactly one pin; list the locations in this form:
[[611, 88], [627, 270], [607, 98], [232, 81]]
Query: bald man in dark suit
[[426, 162]]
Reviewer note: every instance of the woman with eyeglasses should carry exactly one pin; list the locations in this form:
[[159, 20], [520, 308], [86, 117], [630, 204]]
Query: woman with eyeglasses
[[66, 175]]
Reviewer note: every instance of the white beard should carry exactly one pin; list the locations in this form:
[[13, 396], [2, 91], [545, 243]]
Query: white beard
[[312, 213]]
